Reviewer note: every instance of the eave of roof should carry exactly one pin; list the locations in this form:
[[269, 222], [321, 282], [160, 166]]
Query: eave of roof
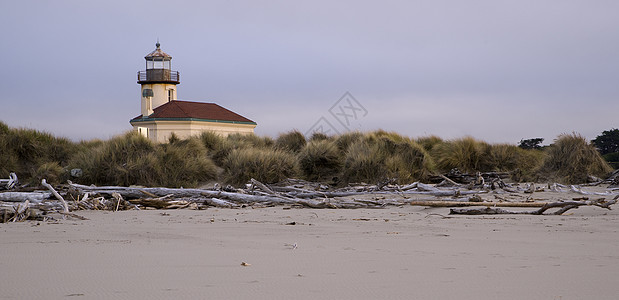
[[147, 119], [193, 111]]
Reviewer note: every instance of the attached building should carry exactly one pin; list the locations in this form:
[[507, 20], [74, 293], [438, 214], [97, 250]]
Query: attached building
[[162, 114]]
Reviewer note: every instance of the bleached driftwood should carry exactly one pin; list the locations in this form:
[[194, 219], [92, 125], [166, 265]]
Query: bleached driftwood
[[562, 205], [23, 196], [439, 203], [55, 193]]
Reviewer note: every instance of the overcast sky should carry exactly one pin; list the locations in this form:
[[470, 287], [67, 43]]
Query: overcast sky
[[499, 71]]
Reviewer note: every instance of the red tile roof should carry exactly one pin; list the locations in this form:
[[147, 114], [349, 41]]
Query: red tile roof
[[195, 110]]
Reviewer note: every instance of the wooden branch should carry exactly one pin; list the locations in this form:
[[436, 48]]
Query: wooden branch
[[262, 186], [51, 189]]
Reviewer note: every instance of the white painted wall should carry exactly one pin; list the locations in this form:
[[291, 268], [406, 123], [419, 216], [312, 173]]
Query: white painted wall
[[160, 96]]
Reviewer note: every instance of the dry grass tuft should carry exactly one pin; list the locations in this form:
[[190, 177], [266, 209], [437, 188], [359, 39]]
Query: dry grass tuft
[[429, 142], [319, 136], [571, 159], [384, 155], [320, 160], [265, 165], [131, 159], [292, 141]]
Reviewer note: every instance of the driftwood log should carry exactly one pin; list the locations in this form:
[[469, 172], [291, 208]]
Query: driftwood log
[[15, 206], [562, 205]]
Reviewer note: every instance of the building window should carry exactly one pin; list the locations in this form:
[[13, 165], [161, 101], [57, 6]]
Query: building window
[[170, 94], [143, 131]]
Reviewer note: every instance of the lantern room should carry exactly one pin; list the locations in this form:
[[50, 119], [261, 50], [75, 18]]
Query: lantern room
[[158, 68]]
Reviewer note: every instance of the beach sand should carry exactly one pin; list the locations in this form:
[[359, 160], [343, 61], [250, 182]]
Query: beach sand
[[395, 253]]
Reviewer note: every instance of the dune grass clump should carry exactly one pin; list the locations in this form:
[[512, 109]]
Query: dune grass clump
[[23, 151], [132, 159], [52, 172], [123, 160], [320, 136], [405, 159], [343, 141], [363, 163], [265, 165], [218, 146], [521, 163], [292, 141], [320, 160], [429, 142], [465, 154], [571, 159], [381, 155], [184, 163], [241, 141]]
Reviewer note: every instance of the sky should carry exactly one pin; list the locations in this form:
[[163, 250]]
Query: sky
[[499, 71]]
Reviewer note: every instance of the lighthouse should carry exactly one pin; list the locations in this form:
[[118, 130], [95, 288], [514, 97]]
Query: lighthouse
[[158, 81], [163, 114]]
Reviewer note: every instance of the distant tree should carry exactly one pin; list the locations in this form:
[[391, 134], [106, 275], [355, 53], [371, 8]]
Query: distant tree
[[531, 143], [607, 142]]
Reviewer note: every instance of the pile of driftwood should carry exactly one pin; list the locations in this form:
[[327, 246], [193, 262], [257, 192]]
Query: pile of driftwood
[[481, 196]]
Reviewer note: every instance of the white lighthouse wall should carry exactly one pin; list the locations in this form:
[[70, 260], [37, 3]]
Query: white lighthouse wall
[[160, 131], [161, 96]]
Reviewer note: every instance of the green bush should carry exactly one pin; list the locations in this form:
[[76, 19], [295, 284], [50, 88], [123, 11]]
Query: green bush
[[612, 159], [320, 160], [571, 159], [265, 165]]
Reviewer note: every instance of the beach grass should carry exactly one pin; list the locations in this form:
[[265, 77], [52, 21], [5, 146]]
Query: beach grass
[[371, 157]]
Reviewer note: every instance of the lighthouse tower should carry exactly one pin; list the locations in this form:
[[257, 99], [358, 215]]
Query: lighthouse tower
[[158, 81], [163, 115]]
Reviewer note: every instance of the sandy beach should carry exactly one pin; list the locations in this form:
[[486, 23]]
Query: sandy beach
[[396, 253]]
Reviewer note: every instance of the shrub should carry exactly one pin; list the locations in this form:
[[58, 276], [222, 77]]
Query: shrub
[[612, 159], [265, 165], [320, 160], [571, 159], [292, 141]]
